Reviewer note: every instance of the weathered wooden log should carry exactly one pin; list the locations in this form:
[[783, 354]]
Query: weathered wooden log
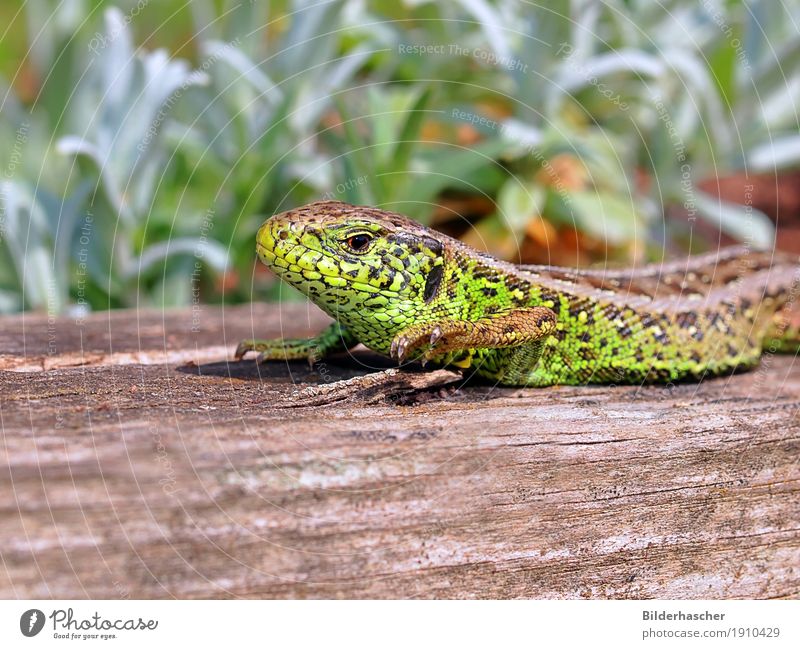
[[138, 460]]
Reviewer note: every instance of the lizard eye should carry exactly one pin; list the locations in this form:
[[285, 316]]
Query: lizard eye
[[359, 242]]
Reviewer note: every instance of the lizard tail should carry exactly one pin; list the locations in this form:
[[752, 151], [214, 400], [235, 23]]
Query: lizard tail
[[781, 292], [783, 334]]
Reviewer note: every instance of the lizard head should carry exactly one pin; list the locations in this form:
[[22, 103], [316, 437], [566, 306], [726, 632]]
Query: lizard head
[[352, 260]]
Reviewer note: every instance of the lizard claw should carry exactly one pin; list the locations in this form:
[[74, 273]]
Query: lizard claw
[[399, 348], [312, 358], [402, 347], [404, 343]]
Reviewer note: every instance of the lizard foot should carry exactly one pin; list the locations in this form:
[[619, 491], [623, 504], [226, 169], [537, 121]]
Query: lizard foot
[[264, 357], [511, 328], [414, 338], [281, 350], [243, 347]]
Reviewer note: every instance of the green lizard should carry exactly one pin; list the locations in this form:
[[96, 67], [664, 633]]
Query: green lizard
[[407, 291]]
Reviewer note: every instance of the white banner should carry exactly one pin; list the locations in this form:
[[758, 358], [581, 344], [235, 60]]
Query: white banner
[[235, 624]]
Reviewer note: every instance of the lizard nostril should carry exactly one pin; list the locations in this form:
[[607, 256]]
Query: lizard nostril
[[283, 235]]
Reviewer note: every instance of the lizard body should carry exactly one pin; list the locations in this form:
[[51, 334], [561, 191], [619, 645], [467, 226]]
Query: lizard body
[[407, 291]]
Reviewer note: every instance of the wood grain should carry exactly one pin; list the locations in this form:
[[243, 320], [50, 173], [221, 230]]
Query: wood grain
[[138, 460]]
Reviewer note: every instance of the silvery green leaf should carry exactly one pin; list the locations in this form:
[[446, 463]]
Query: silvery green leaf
[[12, 221], [584, 38], [519, 202], [777, 68], [743, 222], [49, 24], [116, 58], [776, 154], [204, 19], [76, 146], [579, 75], [62, 216], [121, 125], [491, 24], [310, 36], [203, 250], [316, 170], [608, 217], [313, 99], [173, 289], [698, 85], [448, 168], [520, 134], [241, 63], [28, 239], [10, 301], [779, 108]]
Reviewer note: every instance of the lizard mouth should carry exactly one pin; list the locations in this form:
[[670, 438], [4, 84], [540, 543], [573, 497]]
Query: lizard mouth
[[265, 254]]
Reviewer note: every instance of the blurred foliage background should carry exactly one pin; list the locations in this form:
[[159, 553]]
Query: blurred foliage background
[[142, 143]]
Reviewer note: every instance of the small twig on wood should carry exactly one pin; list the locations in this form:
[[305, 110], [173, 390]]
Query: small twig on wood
[[370, 388]]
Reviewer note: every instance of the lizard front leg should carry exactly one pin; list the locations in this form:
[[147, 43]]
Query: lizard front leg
[[334, 339], [509, 328]]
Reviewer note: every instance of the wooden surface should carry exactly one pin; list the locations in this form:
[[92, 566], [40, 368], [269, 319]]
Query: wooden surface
[[136, 461]]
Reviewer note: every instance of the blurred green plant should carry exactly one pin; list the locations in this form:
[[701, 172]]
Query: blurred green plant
[[138, 144]]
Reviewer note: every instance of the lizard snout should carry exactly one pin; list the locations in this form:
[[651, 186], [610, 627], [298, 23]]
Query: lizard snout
[[268, 239], [278, 236]]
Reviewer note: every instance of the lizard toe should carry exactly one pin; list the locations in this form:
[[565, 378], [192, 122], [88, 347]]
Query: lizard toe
[[242, 348], [402, 349]]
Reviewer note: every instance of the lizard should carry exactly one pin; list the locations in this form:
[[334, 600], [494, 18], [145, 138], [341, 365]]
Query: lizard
[[412, 293]]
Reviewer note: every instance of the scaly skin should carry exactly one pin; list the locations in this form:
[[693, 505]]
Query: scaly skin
[[412, 293]]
